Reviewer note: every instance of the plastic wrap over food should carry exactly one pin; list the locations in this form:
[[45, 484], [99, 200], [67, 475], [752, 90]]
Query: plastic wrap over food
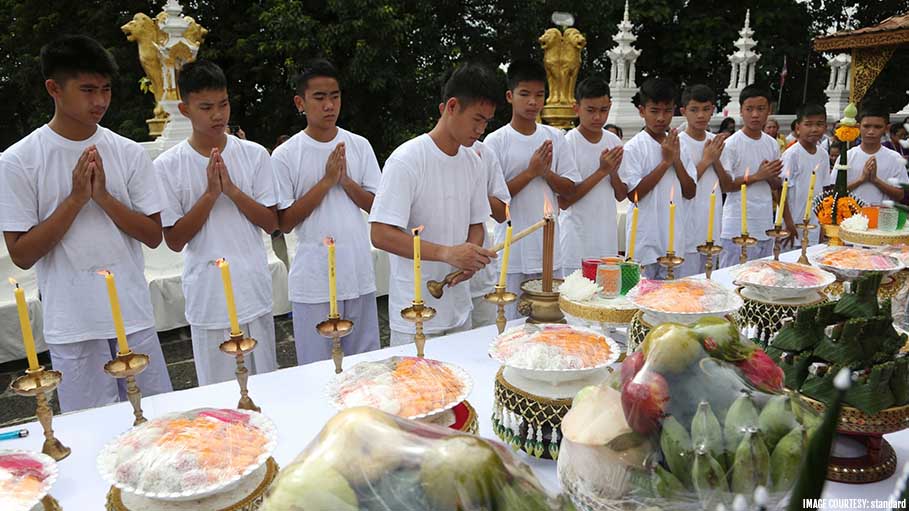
[[365, 459], [683, 300], [850, 262], [694, 418], [188, 454], [553, 347], [25, 478]]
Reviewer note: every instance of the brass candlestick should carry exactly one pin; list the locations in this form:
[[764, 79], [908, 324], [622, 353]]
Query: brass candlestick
[[709, 249], [806, 228], [501, 298], [335, 328], [417, 313], [237, 346], [127, 366], [37, 384], [670, 261], [744, 241], [778, 234]]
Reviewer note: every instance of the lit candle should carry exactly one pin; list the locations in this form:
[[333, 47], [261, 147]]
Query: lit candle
[[332, 279], [671, 220], [710, 213], [229, 296], [810, 193], [634, 229], [504, 271], [744, 211], [28, 340], [417, 273], [782, 206], [115, 311]]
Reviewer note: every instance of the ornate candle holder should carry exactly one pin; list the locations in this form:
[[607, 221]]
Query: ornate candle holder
[[417, 313], [37, 384], [335, 328], [744, 241], [778, 234], [806, 227], [238, 346], [670, 261], [501, 298], [709, 249], [436, 288], [127, 366]]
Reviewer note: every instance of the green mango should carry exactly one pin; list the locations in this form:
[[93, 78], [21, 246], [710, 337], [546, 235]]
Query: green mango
[[776, 420]]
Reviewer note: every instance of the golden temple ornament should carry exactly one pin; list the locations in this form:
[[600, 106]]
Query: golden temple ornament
[[562, 60]]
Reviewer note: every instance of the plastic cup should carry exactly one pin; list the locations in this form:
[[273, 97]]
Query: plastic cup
[[589, 268], [631, 275], [609, 278], [871, 212]]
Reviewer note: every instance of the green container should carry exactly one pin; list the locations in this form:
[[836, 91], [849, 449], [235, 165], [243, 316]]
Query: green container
[[901, 221], [631, 274]]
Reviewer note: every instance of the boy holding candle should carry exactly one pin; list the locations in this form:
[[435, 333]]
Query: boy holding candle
[[752, 160], [656, 172], [220, 196], [538, 166], [588, 222], [804, 159], [873, 172], [76, 199], [436, 180], [326, 177]]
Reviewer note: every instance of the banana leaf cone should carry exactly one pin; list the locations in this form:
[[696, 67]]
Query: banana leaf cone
[[811, 478]]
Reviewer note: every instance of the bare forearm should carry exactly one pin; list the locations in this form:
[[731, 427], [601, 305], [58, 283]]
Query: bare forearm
[[894, 192], [581, 190], [303, 207], [702, 167], [395, 241], [361, 197], [476, 234], [25, 249], [619, 189], [186, 228], [650, 181], [498, 209], [560, 185], [263, 216], [689, 188], [855, 184], [517, 183], [723, 177], [145, 228]]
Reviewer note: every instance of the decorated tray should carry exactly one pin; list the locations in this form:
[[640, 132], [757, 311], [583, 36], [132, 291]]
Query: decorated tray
[[873, 237], [777, 280], [25, 478], [579, 297], [850, 262], [553, 352], [188, 455], [683, 301], [410, 387]]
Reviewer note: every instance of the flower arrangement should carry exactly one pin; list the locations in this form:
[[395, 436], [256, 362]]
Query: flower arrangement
[[846, 207], [847, 133]]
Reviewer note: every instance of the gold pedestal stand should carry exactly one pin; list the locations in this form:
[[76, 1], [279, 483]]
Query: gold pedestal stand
[[335, 328], [37, 384], [670, 261], [500, 298], [49, 503], [638, 329], [744, 241], [238, 346], [806, 228], [540, 306], [778, 234], [526, 421], [709, 250], [417, 313], [127, 366], [768, 317]]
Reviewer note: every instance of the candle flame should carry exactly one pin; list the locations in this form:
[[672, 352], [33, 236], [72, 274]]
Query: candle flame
[[747, 171], [104, 273], [635, 199], [417, 230], [714, 187], [788, 173], [547, 207], [815, 168], [13, 282], [220, 262], [671, 194], [328, 241], [507, 213]]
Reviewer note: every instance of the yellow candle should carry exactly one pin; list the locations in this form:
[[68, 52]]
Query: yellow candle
[[634, 228], [710, 212], [28, 340], [744, 211], [782, 206], [332, 279], [417, 274], [810, 194], [115, 312], [671, 221], [504, 270], [229, 296]]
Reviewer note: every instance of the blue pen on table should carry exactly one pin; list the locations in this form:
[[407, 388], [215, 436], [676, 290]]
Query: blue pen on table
[[22, 433]]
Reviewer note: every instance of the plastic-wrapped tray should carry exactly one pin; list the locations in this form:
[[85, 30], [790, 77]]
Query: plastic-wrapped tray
[[25, 478], [188, 455], [850, 262], [683, 300], [778, 280]]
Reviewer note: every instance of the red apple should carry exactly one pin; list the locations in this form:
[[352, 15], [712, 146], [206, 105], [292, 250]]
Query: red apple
[[644, 400], [631, 365]]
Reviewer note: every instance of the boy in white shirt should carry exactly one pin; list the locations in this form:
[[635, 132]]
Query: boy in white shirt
[[653, 165], [588, 223], [538, 166], [437, 181], [220, 195], [872, 166], [756, 153], [76, 199], [800, 160], [326, 176], [704, 150]]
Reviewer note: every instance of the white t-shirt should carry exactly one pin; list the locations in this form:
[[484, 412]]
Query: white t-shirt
[[890, 165], [588, 228], [800, 164], [485, 280], [421, 185], [643, 154], [35, 177], [513, 151], [745, 153], [299, 164], [699, 212], [226, 233]]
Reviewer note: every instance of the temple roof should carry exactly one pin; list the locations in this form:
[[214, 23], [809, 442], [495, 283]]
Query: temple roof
[[893, 31]]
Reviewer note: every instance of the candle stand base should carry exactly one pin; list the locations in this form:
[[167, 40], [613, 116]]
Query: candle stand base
[[709, 249], [744, 241], [418, 313], [670, 261], [778, 234], [37, 384], [437, 289], [806, 228], [127, 366], [335, 328], [500, 297], [238, 346]]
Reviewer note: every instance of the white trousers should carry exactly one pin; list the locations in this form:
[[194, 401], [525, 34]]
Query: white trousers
[[483, 313], [86, 385], [731, 252], [213, 366], [312, 347], [401, 338]]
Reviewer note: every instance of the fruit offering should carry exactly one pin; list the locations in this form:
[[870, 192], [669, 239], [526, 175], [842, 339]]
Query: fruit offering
[[365, 459], [409, 387], [25, 478], [692, 419], [684, 299], [553, 347]]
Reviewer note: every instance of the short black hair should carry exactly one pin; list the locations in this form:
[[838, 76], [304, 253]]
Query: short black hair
[[621, 133], [754, 91], [809, 110], [594, 86], [472, 82], [656, 90], [873, 109], [700, 93], [200, 75], [314, 68], [525, 70], [70, 55], [895, 128]]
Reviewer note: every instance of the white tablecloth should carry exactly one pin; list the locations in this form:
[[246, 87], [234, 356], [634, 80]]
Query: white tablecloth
[[294, 398]]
